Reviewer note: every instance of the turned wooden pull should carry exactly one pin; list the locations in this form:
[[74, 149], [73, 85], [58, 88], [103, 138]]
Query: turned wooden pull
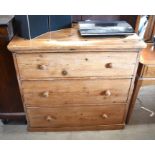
[[45, 94], [104, 116], [108, 65], [64, 72], [107, 93], [48, 118], [42, 67]]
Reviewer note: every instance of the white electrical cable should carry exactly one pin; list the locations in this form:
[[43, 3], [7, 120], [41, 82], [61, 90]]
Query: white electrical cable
[[27, 17], [152, 113]]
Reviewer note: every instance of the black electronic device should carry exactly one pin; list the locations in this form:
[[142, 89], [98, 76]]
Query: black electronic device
[[102, 28]]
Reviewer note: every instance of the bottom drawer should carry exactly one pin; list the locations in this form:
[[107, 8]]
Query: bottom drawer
[[76, 116]]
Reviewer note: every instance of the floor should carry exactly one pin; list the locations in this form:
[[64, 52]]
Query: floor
[[141, 126]]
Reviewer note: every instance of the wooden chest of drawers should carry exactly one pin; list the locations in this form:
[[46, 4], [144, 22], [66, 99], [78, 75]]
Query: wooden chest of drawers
[[72, 83]]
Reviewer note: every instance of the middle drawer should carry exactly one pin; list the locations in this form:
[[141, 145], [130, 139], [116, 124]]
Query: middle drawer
[[75, 91]]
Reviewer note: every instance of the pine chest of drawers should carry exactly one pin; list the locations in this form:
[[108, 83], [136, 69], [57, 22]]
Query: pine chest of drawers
[[72, 83]]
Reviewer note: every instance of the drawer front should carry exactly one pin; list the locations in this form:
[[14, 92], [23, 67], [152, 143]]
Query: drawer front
[[149, 71], [72, 92], [48, 65], [76, 116]]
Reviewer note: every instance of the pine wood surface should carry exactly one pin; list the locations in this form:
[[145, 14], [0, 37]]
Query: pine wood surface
[[69, 40], [48, 65], [76, 116], [75, 92]]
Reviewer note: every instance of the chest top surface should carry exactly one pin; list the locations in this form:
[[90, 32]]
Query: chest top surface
[[69, 40]]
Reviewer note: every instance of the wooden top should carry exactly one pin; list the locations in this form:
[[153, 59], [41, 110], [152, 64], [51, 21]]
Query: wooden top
[[147, 55], [69, 40]]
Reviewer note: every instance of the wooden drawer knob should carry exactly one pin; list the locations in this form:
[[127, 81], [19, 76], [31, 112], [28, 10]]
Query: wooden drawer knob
[[104, 116], [107, 93], [42, 67], [45, 94], [48, 118], [108, 65], [64, 72]]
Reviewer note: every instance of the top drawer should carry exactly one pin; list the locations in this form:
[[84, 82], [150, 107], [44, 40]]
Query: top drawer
[[48, 65]]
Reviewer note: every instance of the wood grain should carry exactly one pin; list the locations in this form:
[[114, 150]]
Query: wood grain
[[147, 55], [47, 65], [80, 128], [147, 60], [149, 71], [66, 40], [149, 29], [76, 116], [147, 81], [73, 92], [69, 82]]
